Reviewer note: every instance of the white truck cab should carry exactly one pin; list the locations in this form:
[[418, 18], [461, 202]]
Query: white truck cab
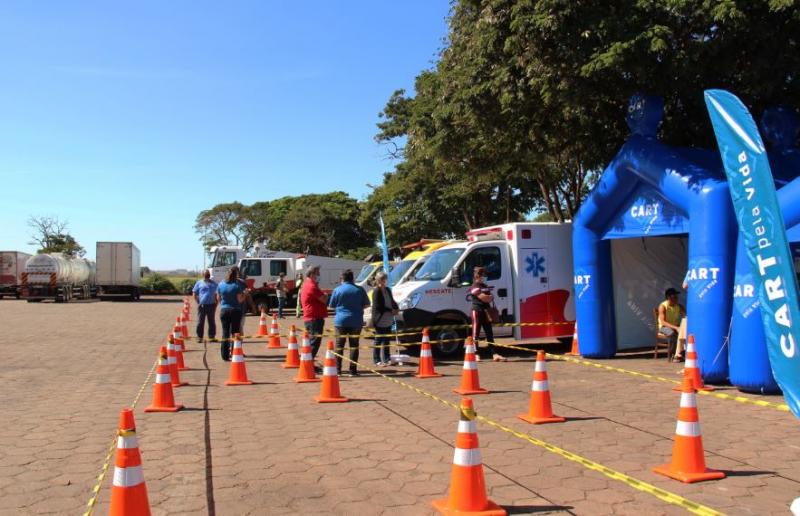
[[529, 269]]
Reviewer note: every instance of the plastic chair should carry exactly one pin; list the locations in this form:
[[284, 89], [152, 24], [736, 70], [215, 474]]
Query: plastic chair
[[661, 339]]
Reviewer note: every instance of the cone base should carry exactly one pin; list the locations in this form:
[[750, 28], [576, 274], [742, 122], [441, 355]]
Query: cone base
[[706, 388], [235, 382], [492, 509], [290, 366], [434, 375], [320, 399], [307, 380], [571, 354], [179, 384], [471, 391], [152, 408], [541, 420], [687, 477]]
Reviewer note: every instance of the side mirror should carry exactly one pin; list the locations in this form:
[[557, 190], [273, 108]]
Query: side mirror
[[455, 279]]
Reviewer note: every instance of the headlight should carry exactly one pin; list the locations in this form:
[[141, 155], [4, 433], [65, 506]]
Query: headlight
[[410, 302]]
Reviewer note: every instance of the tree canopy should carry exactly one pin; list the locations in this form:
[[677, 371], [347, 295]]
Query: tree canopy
[[52, 236]]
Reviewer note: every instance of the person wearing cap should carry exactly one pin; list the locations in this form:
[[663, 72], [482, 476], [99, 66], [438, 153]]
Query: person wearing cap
[[315, 308], [482, 299], [349, 300], [670, 313]]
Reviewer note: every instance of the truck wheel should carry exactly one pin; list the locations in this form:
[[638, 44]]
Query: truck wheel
[[453, 344]]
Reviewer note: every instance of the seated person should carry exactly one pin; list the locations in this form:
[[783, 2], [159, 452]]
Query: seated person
[[670, 313]]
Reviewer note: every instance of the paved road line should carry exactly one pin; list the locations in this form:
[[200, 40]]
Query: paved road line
[[635, 483]]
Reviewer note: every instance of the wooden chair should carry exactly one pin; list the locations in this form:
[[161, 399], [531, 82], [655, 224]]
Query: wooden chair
[[661, 339]]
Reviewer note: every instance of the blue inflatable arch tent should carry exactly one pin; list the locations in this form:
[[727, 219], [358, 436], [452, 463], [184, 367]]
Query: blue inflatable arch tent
[[749, 363], [651, 191]]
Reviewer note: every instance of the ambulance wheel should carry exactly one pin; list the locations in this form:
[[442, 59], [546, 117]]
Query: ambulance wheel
[[453, 342]]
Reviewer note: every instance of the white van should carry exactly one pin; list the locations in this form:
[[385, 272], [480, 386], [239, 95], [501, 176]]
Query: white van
[[529, 269]]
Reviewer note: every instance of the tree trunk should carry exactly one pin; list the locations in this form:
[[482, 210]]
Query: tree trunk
[[548, 202]]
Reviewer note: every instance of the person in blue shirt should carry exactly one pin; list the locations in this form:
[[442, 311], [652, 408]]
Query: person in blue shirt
[[349, 300], [231, 293], [205, 295]]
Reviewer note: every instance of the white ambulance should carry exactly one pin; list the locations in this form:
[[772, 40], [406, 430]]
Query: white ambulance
[[529, 269]]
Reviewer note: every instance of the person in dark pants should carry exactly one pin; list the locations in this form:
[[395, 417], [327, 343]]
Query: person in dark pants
[[280, 293], [349, 300], [481, 301], [205, 295], [384, 309], [315, 308], [230, 296]]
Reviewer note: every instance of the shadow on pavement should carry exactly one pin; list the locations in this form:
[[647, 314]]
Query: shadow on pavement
[[531, 509]]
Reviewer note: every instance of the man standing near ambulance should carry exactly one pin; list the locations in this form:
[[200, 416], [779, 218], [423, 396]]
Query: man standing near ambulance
[[315, 308]]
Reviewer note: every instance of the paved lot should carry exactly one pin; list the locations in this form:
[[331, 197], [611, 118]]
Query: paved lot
[[268, 449]]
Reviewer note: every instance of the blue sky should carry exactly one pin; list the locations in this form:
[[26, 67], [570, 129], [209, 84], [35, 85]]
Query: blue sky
[[127, 120]]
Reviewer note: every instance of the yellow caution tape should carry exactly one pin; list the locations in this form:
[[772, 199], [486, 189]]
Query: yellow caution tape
[[635, 483], [107, 462], [721, 395]]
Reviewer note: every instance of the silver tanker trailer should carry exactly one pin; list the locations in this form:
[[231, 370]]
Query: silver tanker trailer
[[58, 277]]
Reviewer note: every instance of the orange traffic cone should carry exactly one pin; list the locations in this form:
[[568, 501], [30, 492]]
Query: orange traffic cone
[[467, 493], [305, 373], [185, 324], [688, 462], [426, 369], [274, 336], [238, 371], [329, 393], [262, 324], [690, 368], [575, 351], [292, 356], [470, 383], [177, 342], [163, 398], [172, 360], [539, 409], [128, 490]]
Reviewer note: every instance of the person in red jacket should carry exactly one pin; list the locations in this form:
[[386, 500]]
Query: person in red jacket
[[315, 308]]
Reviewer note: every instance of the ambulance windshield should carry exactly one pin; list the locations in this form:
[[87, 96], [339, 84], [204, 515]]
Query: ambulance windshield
[[438, 265], [399, 270], [365, 272]]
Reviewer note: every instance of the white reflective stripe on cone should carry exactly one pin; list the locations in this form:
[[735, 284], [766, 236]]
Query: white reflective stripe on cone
[[470, 364], [540, 386], [467, 427], [425, 353], [540, 367], [305, 356], [690, 363], [470, 457], [128, 477], [688, 399], [237, 358], [162, 378], [237, 344], [469, 348], [292, 345], [306, 342], [329, 355], [329, 371], [177, 335], [127, 442], [172, 360], [687, 429]]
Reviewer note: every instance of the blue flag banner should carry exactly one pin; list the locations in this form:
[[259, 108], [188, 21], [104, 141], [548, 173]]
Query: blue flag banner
[[386, 266], [761, 225]]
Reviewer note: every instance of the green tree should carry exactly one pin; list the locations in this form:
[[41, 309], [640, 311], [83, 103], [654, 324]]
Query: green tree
[[222, 225], [52, 236]]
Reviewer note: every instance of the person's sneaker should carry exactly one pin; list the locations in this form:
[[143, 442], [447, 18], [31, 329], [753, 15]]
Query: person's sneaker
[[499, 358], [378, 364], [352, 373]]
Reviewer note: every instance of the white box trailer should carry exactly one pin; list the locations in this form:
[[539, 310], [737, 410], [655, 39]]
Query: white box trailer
[[529, 268], [12, 265], [119, 270]]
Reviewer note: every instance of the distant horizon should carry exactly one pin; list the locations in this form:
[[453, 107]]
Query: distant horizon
[[128, 120]]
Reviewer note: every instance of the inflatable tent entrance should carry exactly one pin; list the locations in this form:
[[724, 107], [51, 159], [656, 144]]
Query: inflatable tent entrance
[[651, 189], [749, 363]]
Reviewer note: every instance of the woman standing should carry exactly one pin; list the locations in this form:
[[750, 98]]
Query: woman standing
[[384, 309], [231, 294], [482, 299]]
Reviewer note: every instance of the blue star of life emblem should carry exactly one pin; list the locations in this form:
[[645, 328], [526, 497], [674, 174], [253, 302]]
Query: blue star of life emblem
[[535, 264]]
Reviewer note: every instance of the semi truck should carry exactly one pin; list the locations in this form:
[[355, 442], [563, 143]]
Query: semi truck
[[12, 265], [58, 277], [119, 270], [529, 269], [261, 275]]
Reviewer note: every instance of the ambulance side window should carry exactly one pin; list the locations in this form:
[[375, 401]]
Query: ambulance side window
[[251, 268], [276, 267], [487, 257]]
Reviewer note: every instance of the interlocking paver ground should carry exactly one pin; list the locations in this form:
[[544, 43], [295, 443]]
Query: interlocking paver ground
[[268, 449]]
